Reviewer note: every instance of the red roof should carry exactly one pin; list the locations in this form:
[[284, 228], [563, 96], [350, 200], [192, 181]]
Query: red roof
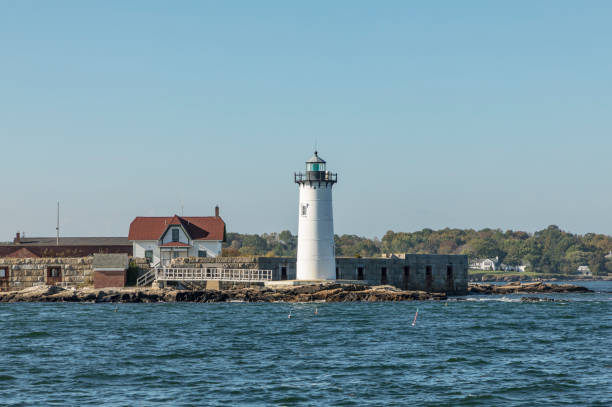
[[175, 244], [198, 227], [175, 220]]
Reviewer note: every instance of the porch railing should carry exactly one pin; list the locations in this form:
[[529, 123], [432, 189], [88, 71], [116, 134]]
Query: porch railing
[[203, 274]]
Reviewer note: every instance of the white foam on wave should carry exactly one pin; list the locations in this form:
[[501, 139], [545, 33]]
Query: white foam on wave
[[489, 299]]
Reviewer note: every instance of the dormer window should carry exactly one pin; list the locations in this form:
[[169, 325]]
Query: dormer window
[[175, 235]]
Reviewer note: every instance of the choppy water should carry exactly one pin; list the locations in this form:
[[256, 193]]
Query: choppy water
[[486, 351]]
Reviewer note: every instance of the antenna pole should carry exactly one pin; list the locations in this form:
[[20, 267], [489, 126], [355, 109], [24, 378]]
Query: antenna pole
[[57, 227]]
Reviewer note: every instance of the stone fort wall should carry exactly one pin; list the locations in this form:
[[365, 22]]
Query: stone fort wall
[[20, 273], [426, 272]]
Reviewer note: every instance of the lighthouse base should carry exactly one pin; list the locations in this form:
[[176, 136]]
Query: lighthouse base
[[319, 269], [295, 283]]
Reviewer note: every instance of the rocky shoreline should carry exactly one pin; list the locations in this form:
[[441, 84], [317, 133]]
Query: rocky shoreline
[[310, 293], [525, 288]]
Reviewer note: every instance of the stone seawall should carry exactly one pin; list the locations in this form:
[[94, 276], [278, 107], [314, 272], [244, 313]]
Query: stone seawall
[[22, 273]]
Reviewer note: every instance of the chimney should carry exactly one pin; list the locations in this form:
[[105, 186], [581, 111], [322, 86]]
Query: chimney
[[217, 211], [17, 238]]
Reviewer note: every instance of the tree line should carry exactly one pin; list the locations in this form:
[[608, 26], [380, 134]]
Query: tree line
[[550, 250]]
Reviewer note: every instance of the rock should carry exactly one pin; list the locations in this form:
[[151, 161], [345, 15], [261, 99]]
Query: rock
[[525, 288]]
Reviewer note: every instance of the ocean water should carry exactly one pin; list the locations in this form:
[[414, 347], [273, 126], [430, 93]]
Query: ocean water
[[476, 351]]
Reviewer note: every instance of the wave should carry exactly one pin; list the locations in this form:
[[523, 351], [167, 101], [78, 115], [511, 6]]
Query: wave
[[31, 335]]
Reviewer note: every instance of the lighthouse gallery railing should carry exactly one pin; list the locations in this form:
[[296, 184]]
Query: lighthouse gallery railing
[[322, 176]]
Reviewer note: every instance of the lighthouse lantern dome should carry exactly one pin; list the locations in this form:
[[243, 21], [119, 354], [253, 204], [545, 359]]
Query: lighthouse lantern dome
[[315, 163]]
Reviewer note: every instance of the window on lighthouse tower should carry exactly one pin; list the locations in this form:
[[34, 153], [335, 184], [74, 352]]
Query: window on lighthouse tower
[[315, 167]]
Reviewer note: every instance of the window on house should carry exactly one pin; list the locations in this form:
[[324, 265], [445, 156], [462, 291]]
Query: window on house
[[175, 255], [4, 272], [149, 255], [201, 253], [175, 235], [304, 209]]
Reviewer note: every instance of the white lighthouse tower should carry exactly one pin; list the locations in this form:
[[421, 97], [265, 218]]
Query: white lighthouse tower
[[316, 253]]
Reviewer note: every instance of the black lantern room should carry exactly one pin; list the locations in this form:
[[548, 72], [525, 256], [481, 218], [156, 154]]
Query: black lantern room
[[315, 171]]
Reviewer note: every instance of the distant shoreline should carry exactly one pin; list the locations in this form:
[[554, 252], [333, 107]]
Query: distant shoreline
[[474, 277]]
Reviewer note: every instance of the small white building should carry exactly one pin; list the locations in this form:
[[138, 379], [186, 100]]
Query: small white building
[[485, 264], [161, 239], [510, 267], [584, 271]]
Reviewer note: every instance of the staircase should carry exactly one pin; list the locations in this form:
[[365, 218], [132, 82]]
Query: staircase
[[147, 278]]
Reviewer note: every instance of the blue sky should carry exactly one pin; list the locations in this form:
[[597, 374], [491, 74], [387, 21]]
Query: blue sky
[[453, 114]]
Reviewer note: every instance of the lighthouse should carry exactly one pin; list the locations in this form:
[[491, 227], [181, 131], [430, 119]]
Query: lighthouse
[[316, 253]]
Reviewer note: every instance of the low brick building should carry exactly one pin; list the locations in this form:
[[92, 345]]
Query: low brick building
[[109, 270]]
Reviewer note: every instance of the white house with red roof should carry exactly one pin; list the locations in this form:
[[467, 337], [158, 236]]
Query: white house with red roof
[[161, 239]]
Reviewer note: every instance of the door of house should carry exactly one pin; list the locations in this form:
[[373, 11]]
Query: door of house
[[283, 273], [165, 258], [450, 282]]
